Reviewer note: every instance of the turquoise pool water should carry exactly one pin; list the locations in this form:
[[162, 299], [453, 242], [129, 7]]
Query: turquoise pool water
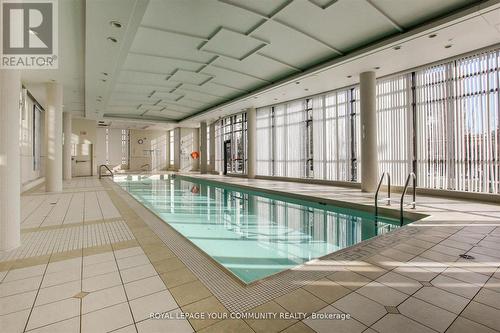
[[252, 234]]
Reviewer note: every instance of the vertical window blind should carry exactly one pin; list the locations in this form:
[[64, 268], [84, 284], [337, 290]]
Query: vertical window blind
[[394, 115], [442, 120]]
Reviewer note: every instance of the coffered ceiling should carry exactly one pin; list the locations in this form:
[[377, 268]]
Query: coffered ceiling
[[176, 58]]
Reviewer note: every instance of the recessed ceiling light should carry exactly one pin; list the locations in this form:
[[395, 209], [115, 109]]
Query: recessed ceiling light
[[448, 46], [115, 24], [104, 73], [306, 89], [104, 80], [397, 47], [112, 39], [298, 82], [377, 67], [349, 76], [275, 99], [432, 35]]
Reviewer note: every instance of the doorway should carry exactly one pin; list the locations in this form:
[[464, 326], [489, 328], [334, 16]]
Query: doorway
[[227, 156], [81, 160]]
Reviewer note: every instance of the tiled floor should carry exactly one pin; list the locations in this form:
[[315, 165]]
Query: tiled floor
[[89, 262]]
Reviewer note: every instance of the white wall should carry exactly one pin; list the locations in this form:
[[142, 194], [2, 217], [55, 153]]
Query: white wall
[[152, 151], [85, 131]]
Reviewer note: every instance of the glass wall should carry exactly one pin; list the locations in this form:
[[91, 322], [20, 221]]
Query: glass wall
[[171, 140], [442, 122], [310, 138], [458, 123], [233, 132]]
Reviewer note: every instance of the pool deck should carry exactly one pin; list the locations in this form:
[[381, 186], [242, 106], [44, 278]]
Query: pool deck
[[92, 259]]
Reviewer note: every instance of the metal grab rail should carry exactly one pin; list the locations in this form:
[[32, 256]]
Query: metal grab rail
[[413, 203], [388, 199], [145, 165], [100, 173]]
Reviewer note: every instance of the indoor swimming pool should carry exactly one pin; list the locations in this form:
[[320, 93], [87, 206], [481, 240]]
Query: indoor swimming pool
[[252, 234]]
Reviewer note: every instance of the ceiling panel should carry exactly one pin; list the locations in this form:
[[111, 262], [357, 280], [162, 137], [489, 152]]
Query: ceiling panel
[[195, 17], [289, 47], [343, 25], [410, 13], [159, 64]]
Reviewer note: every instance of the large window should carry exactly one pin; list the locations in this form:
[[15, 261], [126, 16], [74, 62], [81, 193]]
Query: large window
[[37, 137], [171, 151], [310, 138], [441, 122], [235, 134], [458, 124]]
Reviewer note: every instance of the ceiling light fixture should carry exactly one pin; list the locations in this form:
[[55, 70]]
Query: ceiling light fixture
[[349, 76], [448, 46], [306, 89], [104, 80], [397, 47], [432, 35], [115, 24], [104, 73], [377, 67], [298, 82], [112, 39]]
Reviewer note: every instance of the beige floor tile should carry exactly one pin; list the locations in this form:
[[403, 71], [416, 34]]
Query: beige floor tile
[[464, 325], [102, 281], [168, 265], [178, 277], [300, 300], [20, 286], [53, 312], [455, 286], [400, 282], [299, 327], [427, 314], [466, 275], [69, 265], [107, 319], [415, 273], [348, 279], [269, 325], [23, 273], [382, 294], [98, 258], [493, 284], [488, 297], [327, 290], [14, 322], [161, 254], [17, 302], [128, 252], [127, 329], [158, 302], [144, 287], [444, 299], [103, 298], [56, 278], [228, 326], [137, 273], [207, 305], [99, 269], [66, 326], [90, 251], [57, 292], [483, 314], [361, 308], [334, 325], [190, 292], [398, 323], [165, 325], [133, 261]]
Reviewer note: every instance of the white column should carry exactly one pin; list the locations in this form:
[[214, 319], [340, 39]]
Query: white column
[[369, 156], [203, 147], [177, 149], [195, 163], [212, 148], [53, 138], [251, 140], [67, 146], [10, 165]]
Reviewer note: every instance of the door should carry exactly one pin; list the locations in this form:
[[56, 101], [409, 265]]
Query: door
[[81, 160], [227, 156]]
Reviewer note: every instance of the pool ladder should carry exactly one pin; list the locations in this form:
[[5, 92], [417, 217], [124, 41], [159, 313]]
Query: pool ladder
[[104, 174], [388, 200]]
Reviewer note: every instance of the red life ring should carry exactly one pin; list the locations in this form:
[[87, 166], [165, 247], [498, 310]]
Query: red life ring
[[195, 155]]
